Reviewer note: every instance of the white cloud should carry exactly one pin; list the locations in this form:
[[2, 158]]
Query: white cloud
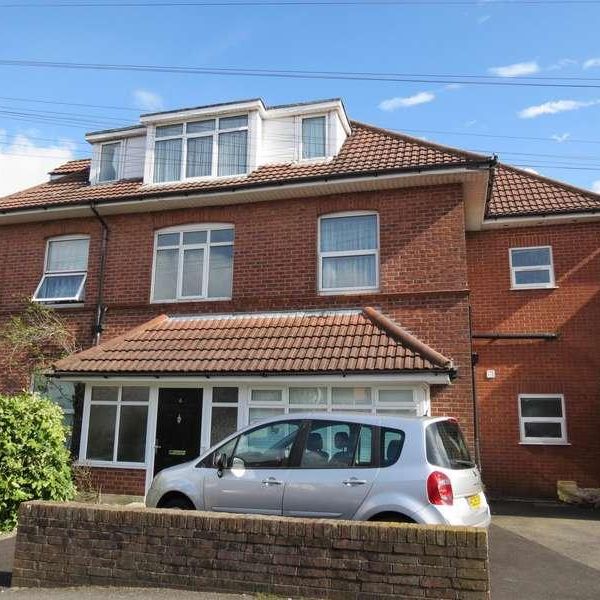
[[563, 63], [483, 19], [470, 123], [147, 100], [596, 186], [453, 86], [24, 164], [591, 62], [554, 107], [560, 137], [530, 170], [398, 102], [516, 70]]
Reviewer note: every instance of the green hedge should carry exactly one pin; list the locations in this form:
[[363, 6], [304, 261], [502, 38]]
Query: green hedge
[[34, 462]]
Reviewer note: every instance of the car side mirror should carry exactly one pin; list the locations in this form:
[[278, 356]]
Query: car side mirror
[[220, 462]]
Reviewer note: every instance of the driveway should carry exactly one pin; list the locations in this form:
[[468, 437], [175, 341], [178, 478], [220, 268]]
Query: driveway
[[542, 551], [538, 552]]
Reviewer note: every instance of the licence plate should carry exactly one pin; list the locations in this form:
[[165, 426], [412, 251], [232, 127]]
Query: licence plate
[[474, 501]]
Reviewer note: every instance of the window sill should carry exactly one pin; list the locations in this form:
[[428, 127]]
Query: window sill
[[193, 180], [530, 288], [60, 305], [532, 443], [191, 300], [109, 465], [353, 292]]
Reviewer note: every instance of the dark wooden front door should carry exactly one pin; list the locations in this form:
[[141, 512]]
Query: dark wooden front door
[[177, 426]]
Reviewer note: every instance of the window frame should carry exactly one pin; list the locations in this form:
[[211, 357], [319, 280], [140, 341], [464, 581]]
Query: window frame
[[185, 136], [79, 297], [531, 286], [348, 253], [181, 229], [300, 149], [85, 428], [524, 439], [119, 169]]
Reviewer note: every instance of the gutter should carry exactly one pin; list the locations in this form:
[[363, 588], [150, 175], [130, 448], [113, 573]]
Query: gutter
[[515, 336], [100, 308]]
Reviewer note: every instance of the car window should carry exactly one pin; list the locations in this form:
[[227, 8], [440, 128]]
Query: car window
[[226, 449], [363, 456], [392, 441], [329, 445], [446, 446], [266, 446]]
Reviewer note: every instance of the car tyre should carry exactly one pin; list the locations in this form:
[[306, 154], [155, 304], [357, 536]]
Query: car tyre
[[179, 502]]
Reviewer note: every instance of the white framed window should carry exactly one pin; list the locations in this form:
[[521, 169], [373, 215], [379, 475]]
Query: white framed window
[[531, 267], [115, 424], [65, 270], [542, 419], [266, 401], [194, 262], [314, 137], [348, 252], [110, 162], [207, 148]]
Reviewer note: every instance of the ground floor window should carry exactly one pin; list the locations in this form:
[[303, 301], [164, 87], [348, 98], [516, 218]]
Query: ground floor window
[[61, 393], [542, 419], [115, 424], [265, 402], [224, 413]]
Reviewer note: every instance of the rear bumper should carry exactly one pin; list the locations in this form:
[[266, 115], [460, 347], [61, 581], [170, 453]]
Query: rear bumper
[[460, 513]]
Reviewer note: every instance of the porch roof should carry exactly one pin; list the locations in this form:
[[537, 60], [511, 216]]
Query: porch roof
[[358, 341]]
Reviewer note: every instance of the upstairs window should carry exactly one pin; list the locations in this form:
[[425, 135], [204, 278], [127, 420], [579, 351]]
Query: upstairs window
[[531, 267], [65, 270], [542, 419], [110, 155], [193, 263], [314, 137], [349, 252], [212, 147]]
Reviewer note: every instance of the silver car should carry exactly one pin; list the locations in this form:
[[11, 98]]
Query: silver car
[[336, 466]]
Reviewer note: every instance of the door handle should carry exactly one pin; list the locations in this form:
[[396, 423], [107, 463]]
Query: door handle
[[271, 481], [353, 481]]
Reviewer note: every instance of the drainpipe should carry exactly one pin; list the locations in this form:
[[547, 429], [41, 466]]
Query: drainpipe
[[100, 308], [474, 360]]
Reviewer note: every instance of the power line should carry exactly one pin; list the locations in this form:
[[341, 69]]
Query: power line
[[303, 74]]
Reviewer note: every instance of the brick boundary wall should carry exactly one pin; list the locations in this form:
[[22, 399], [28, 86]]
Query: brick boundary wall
[[77, 544]]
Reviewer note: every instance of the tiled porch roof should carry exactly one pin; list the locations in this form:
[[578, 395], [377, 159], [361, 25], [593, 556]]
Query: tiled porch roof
[[287, 343]]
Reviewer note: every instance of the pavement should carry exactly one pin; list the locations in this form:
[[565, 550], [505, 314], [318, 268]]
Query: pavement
[[538, 551]]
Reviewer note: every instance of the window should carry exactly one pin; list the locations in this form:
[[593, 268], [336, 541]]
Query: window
[[116, 424], [65, 270], [392, 441], [268, 446], [531, 267], [314, 137], [109, 161], [224, 413], [61, 393], [348, 252], [193, 263], [201, 149], [542, 419], [446, 446]]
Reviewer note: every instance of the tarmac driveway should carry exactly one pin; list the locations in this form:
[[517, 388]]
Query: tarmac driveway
[[537, 551]]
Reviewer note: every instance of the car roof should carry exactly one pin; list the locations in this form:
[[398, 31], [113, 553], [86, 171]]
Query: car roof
[[368, 419]]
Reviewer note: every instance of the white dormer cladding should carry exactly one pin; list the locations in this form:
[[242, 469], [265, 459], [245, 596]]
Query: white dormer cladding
[[308, 132]]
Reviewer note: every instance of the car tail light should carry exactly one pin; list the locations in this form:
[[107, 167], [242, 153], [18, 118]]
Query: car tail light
[[439, 489]]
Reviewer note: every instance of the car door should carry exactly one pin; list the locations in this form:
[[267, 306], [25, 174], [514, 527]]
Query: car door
[[335, 473], [256, 473]]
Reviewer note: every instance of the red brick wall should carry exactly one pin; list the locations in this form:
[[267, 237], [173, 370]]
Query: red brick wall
[[423, 268], [569, 366], [119, 481]]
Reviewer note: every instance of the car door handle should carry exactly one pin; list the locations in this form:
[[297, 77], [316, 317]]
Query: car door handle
[[353, 481], [271, 481]]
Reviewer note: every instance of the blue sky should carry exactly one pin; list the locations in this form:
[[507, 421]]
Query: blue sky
[[542, 41]]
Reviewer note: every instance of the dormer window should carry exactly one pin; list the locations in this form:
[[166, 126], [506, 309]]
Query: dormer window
[[314, 138], [207, 148], [110, 155]]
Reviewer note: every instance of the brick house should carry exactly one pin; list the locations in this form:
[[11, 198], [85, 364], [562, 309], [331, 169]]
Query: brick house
[[224, 263]]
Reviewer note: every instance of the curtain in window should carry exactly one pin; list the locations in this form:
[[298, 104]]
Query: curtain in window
[[220, 275], [233, 147], [109, 162], [193, 268], [60, 286], [349, 271], [67, 255], [165, 276], [340, 234], [313, 137], [167, 160], [199, 156]]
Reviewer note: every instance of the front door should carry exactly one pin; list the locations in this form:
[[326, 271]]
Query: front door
[[177, 426]]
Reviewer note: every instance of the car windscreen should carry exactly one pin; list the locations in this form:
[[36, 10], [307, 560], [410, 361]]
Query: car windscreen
[[446, 446]]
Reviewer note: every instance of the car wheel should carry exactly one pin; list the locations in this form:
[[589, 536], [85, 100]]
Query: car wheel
[[392, 518], [180, 502]]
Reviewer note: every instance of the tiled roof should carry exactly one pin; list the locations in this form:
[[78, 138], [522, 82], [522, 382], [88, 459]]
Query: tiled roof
[[519, 193], [351, 341], [368, 149]]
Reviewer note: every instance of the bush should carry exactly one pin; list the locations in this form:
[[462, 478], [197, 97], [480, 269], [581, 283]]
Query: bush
[[34, 461]]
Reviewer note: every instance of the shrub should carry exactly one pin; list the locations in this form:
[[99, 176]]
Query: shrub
[[34, 461]]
